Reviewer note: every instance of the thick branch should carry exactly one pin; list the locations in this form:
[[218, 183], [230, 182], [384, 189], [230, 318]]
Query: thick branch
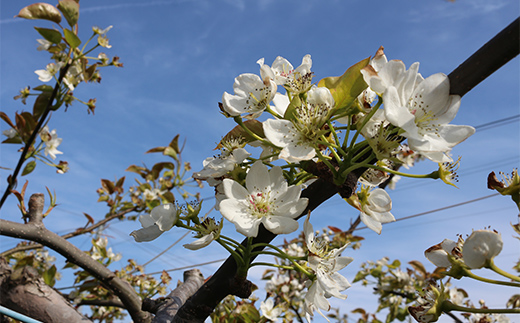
[[37, 232], [488, 59], [25, 291], [166, 308]]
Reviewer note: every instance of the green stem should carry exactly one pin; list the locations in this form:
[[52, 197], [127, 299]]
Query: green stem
[[492, 266], [365, 121], [395, 172], [268, 109], [239, 121], [271, 265], [470, 274], [281, 254], [448, 306], [238, 258], [331, 147]]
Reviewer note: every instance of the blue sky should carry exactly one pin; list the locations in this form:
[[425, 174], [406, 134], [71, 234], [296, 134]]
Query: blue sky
[[180, 56]]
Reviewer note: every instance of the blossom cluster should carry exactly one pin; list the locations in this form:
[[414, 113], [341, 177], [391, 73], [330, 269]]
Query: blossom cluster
[[324, 130]]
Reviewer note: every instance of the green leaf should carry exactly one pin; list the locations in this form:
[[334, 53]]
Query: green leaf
[[40, 11], [43, 88], [51, 35], [29, 168], [346, 88], [71, 38], [70, 10], [238, 132], [40, 104], [49, 276], [290, 113]]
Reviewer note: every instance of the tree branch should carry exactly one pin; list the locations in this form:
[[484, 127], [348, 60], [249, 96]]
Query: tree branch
[[25, 291], [165, 308], [76, 233], [36, 231], [488, 59]]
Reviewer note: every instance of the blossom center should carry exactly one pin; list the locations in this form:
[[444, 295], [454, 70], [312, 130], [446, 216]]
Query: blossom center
[[260, 205]]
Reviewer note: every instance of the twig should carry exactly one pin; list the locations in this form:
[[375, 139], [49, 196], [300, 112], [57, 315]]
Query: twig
[[12, 180]]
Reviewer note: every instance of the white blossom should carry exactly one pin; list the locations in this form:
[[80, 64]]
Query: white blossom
[[161, 219], [266, 199]]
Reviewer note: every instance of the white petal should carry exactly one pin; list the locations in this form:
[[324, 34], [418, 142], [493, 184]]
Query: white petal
[[480, 246], [147, 234], [200, 243], [277, 131], [280, 224], [257, 179], [371, 222], [281, 102], [233, 190]]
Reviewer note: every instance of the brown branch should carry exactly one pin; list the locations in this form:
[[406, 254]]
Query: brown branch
[[23, 290], [37, 232], [488, 59], [165, 308], [68, 235]]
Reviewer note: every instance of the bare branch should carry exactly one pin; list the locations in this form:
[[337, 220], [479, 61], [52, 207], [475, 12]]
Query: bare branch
[[166, 308], [25, 291], [37, 232], [76, 233]]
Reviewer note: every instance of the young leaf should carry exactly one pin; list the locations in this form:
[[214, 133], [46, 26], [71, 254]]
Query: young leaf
[[29, 168], [49, 276], [346, 88], [71, 38], [70, 10], [238, 132], [51, 35], [40, 11], [40, 104]]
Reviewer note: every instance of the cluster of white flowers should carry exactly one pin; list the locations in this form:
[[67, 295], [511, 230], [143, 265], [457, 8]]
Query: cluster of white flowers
[[475, 252]]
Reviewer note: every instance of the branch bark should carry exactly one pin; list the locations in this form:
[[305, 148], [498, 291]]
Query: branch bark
[[36, 231], [25, 291], [166, 308]]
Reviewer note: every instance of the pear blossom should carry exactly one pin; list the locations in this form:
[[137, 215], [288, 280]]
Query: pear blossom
[[161, 219], [269, 311], [375, 209], [266, 200], [10, 133], [326, 264], [44, 44], [252, 96], [48, 73], [153, 194], [430, 305], [480, 247], [281, 102], [51, 141], [298, 137], [425, 115], [297, 80], [209, 231], [216, 167], [440, 253]]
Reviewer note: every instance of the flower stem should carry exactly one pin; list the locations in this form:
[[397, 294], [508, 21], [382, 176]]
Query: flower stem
[[470, 274], [448, 306], [238, 120], [492, 266]]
